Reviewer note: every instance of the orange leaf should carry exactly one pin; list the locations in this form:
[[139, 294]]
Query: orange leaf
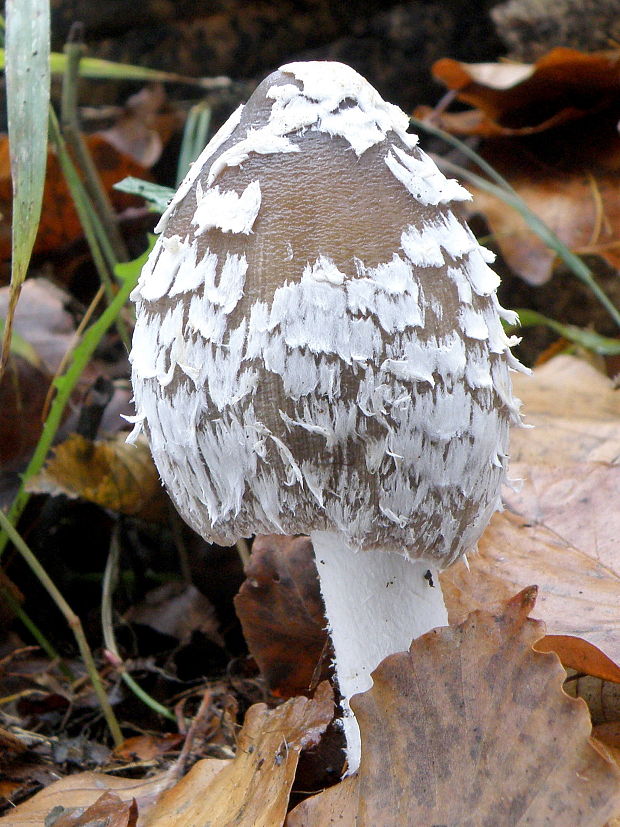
[[60, 225], [521, 98]]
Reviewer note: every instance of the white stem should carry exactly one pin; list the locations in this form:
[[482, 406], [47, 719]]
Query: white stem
[[376, 603]]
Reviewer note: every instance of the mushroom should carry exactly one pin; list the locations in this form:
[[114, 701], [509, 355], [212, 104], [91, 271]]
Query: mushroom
[[318, 350]]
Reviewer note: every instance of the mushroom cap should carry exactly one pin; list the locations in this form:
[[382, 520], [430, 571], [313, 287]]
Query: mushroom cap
[[318, 343]]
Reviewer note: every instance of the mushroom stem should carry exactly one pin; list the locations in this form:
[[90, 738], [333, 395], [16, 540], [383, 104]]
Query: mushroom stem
[[376, 603]]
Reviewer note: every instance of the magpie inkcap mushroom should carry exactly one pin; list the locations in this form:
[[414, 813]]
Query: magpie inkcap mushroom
[[319, 350]]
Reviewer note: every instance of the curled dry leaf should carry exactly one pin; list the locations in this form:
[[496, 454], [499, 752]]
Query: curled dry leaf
[[252, 790], [471, 726], [522, 98], [602, 697], [560, 530], [108, 810], [109, 473], [281, 612], [551, 130], [75, 793]]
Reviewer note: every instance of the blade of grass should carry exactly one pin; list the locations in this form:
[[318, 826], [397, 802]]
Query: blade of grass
[[466, 150], [28, 94], [157, 196], [36, 633], [73, 136], [110, 578], [505, 193], [588, 339], [128, 274], [104, 257], [194, 138], [99, 69], [73, 621]]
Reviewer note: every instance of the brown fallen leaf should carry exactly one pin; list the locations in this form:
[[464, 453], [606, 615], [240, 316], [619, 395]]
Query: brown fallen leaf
[[471, 726], [560, 531], [575, 411], [60, 225], [108, 810], [522, 98], [601, 696], [253, 789], [147, 747], [80, 791], [550, 129], [281, 612], [109, 473], [581, 206], [178, 610]]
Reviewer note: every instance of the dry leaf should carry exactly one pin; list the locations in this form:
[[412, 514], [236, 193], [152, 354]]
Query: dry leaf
[[551, 131], [109, 473], [575, 411], [42, 319], [601, 696], [147, 747], [108, 811], [470, 727], [178, 610], [518, 98], [80, 791], [134, 134], [582, 207], [281, 612], [609, 733], [47, 330], [579, 590], [253, 789]]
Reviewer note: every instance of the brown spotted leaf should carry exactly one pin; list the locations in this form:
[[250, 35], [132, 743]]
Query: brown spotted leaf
[[281, 612], [471, 727]]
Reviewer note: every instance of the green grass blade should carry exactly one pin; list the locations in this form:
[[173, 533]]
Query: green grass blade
[[157, 196], [98, 69], [128, 274], [28, 94], [194, 138], [587, 339]]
